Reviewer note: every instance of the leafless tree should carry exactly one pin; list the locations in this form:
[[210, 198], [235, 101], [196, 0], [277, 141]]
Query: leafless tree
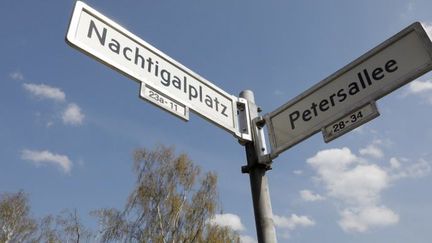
[[15, 223], [171, 203], [71, 228]]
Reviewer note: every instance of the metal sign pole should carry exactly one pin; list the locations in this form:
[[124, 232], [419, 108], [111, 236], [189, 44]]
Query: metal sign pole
[[266, 232]]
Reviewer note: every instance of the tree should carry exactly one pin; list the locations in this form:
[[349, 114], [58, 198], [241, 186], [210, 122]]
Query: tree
[[47, 231], [15, 222], [65, 227], [16, 225], [171, 202]]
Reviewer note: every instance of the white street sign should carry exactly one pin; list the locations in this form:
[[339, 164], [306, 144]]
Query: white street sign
[[397, 61], [101, 38], [164, 102], [350, 122]]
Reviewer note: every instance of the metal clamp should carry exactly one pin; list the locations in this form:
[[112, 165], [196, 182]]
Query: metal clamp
[[243, 121], [260, 142], [246, 168]]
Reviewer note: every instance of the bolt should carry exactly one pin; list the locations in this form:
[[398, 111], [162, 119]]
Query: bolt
[[260, 123], [240, 106], [245, 169]]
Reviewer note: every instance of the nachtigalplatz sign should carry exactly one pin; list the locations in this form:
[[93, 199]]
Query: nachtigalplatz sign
[[164, 81]]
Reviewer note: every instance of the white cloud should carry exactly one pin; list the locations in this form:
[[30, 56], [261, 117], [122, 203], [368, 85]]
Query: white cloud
[[416, 170], [422, 89], [73, 115], [347, 178], [417, 86], [331, 161], [419, 169], [361, 185], [372, 150], [360, 220], [17, 75], [395, 163], [247, 239], [233, 222], [357, 185], [227, 220], [46, 157], [298, 172], [309, 196], [45, 92], [292, 222]]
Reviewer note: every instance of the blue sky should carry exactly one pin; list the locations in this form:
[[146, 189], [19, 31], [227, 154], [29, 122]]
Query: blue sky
[[69, 125]]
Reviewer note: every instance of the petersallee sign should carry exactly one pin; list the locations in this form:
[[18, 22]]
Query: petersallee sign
[[399, 60]]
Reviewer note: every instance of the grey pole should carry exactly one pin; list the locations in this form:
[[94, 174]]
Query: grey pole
[[266, 232]]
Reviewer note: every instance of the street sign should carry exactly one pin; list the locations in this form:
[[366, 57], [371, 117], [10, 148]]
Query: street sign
[[350, 122], [106, 41], [395, 62], [164, 102]]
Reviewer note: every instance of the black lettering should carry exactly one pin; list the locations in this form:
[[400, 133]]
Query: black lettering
[[208, 101], [223, 112], [102, 37], [360, 77], [152, 94], [323, 105], [138, 57], [353, 88], [314, 106], [114, 46], [149, 64], [306, 115], [156, 69], [378, 74], [166, 77], [342, 95], [193, 93], [366, 77], [176, 82], [369, 81], [336, 127], [390, 66], [332, 99], [217, 103], [126, 49], [293, 117]]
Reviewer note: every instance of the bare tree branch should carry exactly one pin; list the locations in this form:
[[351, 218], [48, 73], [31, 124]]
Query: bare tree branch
[[171, 202]]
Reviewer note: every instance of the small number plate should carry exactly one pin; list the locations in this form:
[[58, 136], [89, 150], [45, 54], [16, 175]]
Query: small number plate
[[164, 102], [350, 121]]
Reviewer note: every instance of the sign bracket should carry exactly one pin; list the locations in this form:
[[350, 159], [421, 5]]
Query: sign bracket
[[244, 128]]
